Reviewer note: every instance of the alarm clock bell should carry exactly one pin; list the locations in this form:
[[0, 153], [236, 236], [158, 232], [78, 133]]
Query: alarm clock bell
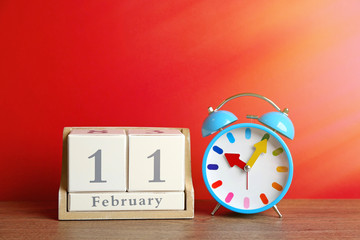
[[277, 121]]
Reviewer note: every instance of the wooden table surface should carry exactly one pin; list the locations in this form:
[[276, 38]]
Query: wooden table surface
[[303, 219]]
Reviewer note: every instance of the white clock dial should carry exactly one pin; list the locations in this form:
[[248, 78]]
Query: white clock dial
[[226, 177]]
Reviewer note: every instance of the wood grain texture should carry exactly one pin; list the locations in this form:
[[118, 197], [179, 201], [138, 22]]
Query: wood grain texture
[[303, 219]]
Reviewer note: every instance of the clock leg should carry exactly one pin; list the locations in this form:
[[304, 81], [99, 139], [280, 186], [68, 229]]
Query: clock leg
[[215, 209], [277, 211]]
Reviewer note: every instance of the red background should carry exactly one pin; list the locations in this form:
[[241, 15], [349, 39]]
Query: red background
[[162, 63]]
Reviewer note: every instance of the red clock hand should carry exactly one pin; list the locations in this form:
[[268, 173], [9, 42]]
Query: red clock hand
[[234, 159]]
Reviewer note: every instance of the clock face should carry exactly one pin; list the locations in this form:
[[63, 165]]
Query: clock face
[[246, 178]]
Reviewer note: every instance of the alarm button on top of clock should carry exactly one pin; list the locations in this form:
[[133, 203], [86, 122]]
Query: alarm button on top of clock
[[234, 159], [260, 147]]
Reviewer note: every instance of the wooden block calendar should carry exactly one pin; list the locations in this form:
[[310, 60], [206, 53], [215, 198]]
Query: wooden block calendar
[[126, 173]]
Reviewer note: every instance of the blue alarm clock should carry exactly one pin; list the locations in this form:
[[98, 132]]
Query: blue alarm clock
[[247, 167]]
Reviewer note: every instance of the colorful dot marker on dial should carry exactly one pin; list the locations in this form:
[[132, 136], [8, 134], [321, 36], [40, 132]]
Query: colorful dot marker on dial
[[213, 166], [266, 136], [247, 133], [246, 202], [277, 186], [229, 197], [217, 150], [230, 137], [216, 184], [264, 199], [282, 169], [277, 151]]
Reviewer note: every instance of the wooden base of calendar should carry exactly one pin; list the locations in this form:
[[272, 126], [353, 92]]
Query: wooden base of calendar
[[188, 212]]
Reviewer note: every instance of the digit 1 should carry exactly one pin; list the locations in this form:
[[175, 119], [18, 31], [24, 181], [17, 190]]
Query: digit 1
[[156, 156], [97, 156]]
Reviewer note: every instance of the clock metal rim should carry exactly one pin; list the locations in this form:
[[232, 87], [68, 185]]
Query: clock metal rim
[[278, 138]]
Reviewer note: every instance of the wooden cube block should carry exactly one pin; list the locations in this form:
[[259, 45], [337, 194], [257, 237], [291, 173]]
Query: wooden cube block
[[156, 160], [97, 160]]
